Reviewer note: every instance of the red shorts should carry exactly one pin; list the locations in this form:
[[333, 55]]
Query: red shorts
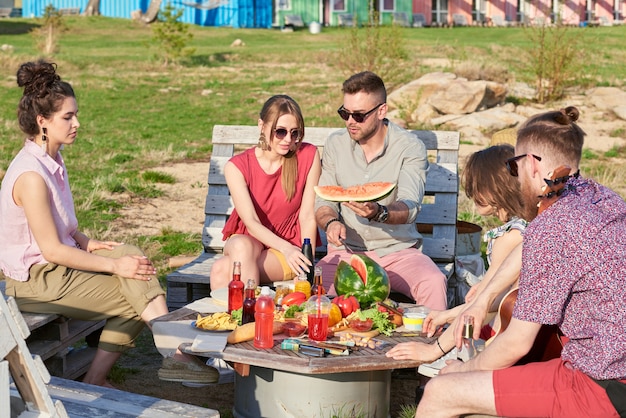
[[549, 389]]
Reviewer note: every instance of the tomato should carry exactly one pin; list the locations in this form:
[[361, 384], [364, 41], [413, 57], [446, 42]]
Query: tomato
[[294, 298], [347, 304]]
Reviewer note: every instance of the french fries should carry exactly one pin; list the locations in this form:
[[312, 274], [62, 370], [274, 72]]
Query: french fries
[[341, 325], [219, 321]]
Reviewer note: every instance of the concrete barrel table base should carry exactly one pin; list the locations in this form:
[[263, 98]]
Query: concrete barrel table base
[[281, 394]]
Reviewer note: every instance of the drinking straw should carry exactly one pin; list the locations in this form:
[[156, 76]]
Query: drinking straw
[[319, 301]]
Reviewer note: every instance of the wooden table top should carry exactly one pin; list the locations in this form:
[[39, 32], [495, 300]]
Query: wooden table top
[[364, 359]]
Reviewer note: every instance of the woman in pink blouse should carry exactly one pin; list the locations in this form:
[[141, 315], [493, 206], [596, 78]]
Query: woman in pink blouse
[[52, 267]]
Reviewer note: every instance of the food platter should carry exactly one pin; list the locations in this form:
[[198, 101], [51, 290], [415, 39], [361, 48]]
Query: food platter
[[218, 322], [193, 325]]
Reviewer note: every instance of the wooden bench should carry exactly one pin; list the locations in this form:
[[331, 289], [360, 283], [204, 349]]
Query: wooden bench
[[6, 11], [52, 337], [67, 11], [81, 400], [436, 221], [27, 390], [401, 19], [419, 20], [459, 20], [294, 21], [346, 20]]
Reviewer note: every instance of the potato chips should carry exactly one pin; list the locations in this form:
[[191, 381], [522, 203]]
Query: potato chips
[[219, 321]]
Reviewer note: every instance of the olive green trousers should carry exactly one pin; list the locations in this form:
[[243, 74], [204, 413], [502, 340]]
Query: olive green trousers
[[90, 296]]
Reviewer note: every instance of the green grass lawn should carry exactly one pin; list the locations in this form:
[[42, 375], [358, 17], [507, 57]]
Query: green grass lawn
[[136, 114]]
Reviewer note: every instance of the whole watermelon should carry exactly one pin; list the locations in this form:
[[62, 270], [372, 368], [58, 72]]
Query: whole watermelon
[[363, 278]]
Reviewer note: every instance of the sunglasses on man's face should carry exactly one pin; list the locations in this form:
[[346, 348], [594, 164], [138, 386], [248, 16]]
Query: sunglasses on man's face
[[511, 163], [281, 133], [357, 116]]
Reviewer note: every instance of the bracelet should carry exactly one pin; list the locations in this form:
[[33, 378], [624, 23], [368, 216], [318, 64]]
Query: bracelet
[[330, 222], [439, 345]]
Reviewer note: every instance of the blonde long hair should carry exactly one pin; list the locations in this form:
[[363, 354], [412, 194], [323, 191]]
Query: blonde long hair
[[273, 109]]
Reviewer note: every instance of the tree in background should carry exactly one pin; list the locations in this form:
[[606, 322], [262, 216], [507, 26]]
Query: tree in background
[[48, 34], [93, 8], [171, 36], [556, 55], [374, 48]]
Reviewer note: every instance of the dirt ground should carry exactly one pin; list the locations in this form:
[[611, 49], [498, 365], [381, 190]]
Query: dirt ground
[[181, 209]]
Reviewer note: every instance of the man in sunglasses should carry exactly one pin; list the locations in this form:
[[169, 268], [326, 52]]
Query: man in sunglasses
[[372, 149], [572, 276]]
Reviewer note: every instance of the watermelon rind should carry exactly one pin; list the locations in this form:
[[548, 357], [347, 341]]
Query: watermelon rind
[[376, 286], [381, 190]]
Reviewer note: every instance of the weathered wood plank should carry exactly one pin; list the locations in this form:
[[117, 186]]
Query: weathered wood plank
[[249, 135], [89, 401], [5, 406], [50, 335], [276, 358]]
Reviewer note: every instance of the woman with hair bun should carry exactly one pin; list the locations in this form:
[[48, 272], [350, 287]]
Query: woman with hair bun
[[52, 267]]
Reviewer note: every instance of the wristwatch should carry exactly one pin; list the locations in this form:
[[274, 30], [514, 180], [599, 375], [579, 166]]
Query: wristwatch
[[382, 214]]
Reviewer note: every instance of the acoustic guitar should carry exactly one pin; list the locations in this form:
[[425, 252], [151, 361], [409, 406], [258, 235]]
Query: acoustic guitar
[[548, 343]]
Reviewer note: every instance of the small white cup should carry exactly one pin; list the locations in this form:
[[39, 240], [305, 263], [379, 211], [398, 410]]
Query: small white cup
[[413, 319]]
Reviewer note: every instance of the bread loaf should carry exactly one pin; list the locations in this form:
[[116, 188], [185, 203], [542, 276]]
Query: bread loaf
[[246, 332]]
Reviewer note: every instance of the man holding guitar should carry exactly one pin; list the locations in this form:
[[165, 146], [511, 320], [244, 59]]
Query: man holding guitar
[[573, 275]]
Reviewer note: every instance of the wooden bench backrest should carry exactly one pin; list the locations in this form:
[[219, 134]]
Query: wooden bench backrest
[[439, 208]]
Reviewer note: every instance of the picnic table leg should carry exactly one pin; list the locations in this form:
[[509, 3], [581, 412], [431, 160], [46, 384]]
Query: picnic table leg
[[242, 369]]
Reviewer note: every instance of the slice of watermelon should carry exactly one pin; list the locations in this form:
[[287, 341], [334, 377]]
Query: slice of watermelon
[[367, 192]]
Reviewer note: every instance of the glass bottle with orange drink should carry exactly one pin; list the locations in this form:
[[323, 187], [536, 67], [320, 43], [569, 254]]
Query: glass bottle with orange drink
[[302, 285]]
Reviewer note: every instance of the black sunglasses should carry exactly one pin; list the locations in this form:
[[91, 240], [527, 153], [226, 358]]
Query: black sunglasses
[[511, 163], [357, 116], [281, 133]]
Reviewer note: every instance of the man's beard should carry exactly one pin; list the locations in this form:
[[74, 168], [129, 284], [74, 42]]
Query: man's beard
[[364, 133], [531, 199]]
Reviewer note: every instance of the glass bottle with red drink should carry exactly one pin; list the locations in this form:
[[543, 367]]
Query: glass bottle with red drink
[[235, 289], [249, 302], [264, 320]]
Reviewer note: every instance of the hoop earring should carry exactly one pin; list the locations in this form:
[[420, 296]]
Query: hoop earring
[[263, 143], [44, 140]]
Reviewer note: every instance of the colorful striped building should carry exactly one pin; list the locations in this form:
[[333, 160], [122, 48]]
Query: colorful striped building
[[271, 13]]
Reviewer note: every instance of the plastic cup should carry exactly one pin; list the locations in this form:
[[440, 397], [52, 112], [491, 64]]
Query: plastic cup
[[318, 326], [413, 320]]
